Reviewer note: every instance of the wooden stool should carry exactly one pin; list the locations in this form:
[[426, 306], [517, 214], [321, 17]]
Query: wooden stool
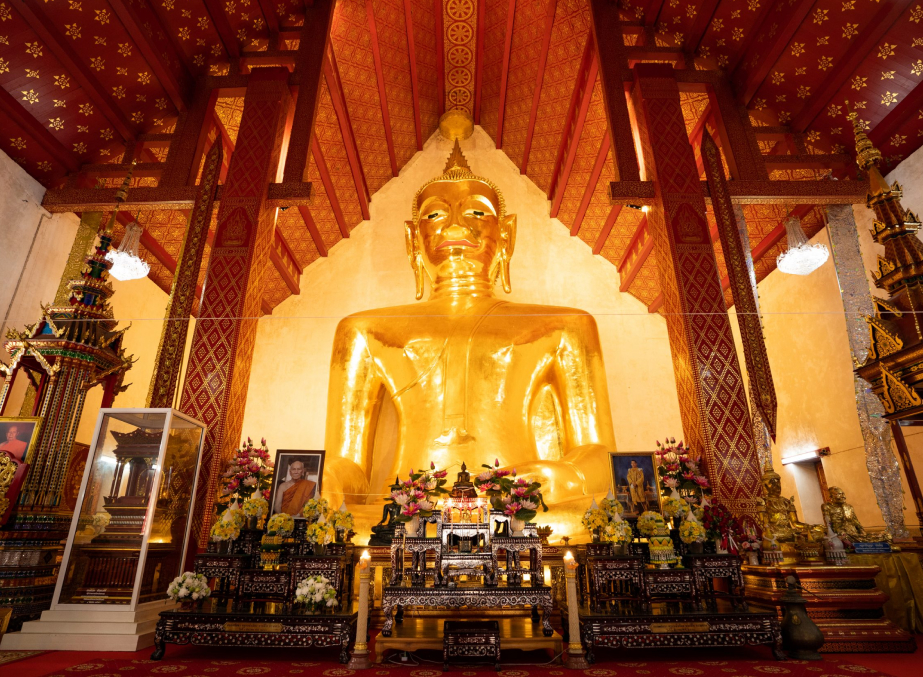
[[463, 640]]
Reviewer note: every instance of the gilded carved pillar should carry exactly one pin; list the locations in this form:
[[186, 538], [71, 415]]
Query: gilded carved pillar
[[712, 399], [215, 389], [169, 360], [884, 470]]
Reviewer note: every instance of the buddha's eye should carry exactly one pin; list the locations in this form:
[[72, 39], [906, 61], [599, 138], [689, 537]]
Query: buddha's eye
[[475, 212], [434, 215]]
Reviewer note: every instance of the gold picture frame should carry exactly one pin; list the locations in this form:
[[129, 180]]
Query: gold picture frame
[[25, 431], [620, 463]]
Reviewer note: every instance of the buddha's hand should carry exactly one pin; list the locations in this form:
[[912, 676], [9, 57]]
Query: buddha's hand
[[345, 480], [583, 471]]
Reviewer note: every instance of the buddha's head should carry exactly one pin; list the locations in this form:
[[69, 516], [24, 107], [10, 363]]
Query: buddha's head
[[837, 496], [460, 237], [772, 482]]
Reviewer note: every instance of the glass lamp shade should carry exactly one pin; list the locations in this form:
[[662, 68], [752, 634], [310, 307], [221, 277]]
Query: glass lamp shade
[[801, 258], [126, 264]]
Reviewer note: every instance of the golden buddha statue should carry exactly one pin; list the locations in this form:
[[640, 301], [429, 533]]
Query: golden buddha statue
[[471, 377], [780, 519], [841, 517]]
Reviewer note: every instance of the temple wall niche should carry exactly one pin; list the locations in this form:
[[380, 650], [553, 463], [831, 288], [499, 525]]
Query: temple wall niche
[[288, 387]]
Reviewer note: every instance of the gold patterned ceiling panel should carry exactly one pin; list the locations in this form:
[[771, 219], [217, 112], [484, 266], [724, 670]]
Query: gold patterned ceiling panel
[[333, 149], [321, 209], [597, 208], [290, 223], [528, 33], [646, 286], [423, 18], [565, 54]]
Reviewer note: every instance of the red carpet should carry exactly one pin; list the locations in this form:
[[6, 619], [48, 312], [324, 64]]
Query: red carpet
[[208, 662]]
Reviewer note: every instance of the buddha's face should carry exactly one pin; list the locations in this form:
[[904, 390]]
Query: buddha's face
[[837, 496], [459, 232], [773, 486]]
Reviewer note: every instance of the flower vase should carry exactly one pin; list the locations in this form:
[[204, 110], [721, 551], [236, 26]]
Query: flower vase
[[224, 547], [696, 547], [619, 548], [320, 549], [754, 558], [517, 525], [413, 526], [596, 535], [192, 604], [251, 522], [719, 548]]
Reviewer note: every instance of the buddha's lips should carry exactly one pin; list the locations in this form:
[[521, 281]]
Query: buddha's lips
[[456, 243]]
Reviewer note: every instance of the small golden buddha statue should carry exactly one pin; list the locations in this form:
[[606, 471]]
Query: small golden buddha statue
[[841, 517], [780, 519], [471, 376]]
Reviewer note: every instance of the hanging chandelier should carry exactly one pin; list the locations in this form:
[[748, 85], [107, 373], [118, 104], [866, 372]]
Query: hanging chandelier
[[801, 258], [126, 264]]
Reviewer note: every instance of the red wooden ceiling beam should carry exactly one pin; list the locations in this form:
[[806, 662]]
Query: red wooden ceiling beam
[[268, 7], [412, 54], [64, 53], [382, 93], [312, 228], [37, 132], [505, 70], [747, 83], [328, 186], [281, 256], [587, 94], [335, 87], [656, 303], [885, 17], [612, 56], [652, 9], [537, 90], [479, 56], [591, 184], [576, 96], [607, 228], [144, 26], [644, 243], [704, 15], [223, 26], [440, 55]]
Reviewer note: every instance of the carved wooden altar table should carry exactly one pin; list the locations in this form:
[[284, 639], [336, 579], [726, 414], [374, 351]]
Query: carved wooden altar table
[[513, 546], [219, 624], [394, 598], [677, 625], [224, 568], [707, 567]]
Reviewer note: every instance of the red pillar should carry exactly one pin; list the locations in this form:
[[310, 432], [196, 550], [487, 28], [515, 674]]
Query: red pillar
[[713, 404], [215, 389]]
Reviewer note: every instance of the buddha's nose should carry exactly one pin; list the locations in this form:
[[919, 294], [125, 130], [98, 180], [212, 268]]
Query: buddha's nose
[[456, 231]]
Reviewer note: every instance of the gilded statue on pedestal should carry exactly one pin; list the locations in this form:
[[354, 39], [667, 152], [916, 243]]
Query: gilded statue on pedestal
[[780, 519], [471, 377], [841, 517]]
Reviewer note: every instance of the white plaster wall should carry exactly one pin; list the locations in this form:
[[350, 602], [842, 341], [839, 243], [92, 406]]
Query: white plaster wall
[[20, 205], [288, 387]]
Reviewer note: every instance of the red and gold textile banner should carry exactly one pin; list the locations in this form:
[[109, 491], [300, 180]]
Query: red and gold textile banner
[[713, 404], [215, 390], [748, 315]]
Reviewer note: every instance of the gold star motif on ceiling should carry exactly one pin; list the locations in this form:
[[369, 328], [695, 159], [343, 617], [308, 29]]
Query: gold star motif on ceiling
[[30, 96], [102, 16], [18, 143], [833, 110], [916, 14], [917, 68], [43, 166], [5, 13], [858, 82], [4, 65], [34, 48], [797, 49], [32, 73], [804, 92], [888, 98], [897, 140], [73, 31], [59, 103], [887, 75], [849, 30], [824, 62], [56, 123], [820, 15], [886, 50], [98, 63]]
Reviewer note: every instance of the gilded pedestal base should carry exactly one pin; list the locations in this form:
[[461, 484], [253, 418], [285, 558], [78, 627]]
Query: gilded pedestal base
[[843, 601]]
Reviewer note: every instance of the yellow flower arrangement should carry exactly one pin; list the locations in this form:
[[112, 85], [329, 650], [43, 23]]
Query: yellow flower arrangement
[[617, 532], [255, 507], [612, 507], [320, 533], [595, 518], [691, 531], [649, 522], [225, 530], [314, 509], [281, 524], [674, 507], [341, 519]]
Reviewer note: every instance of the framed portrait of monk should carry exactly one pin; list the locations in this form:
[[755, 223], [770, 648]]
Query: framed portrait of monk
[[18, 436], [634, 481], [296, 480]]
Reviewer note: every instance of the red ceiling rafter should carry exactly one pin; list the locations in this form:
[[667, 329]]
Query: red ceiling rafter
[[225, 32], [591, 184], [415, 88], [652, 10], [335, 87], [63, 52], [505, 72], [268, 7], [704, 14], [567, 133], [142, 23], [607, 228], [382, 94], [440, 54], [312, 228], [280, 260], [643, 243], [748, 82], [656, 303], [38, 132], [540, 76], [559, 183], [479, 54], [328, 187], [885, 17]]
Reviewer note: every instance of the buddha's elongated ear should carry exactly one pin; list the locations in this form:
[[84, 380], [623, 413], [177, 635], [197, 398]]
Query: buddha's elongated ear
[[413, 253], [507, 244]]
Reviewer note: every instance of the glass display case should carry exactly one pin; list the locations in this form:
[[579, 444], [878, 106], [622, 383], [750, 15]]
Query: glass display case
[[129, 534]]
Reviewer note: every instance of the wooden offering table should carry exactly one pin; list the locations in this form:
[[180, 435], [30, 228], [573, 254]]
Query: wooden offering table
[[220, 624], [394, 598], [676, 625]]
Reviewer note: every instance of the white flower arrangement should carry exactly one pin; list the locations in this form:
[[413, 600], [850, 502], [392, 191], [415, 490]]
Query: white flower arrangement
[[188, 587], [316, 593]]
